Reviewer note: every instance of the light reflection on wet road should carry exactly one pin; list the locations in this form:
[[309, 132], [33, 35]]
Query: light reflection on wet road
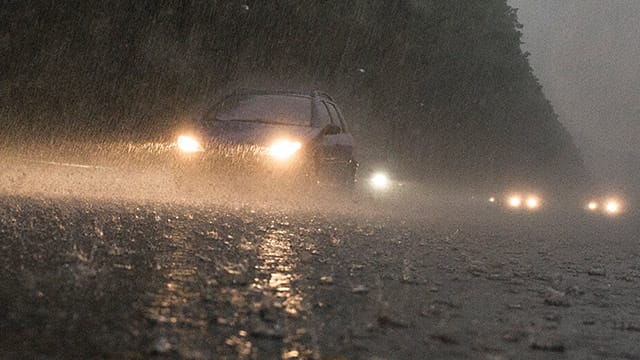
[[277, 260], [224, 291], [181, 323]]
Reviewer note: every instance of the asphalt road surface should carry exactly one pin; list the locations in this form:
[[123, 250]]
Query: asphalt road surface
[[96, 263]]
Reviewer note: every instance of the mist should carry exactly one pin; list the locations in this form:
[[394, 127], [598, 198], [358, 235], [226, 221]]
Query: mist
[[585, 56]]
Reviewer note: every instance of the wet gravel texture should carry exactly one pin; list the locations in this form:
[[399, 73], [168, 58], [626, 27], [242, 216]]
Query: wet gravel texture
[[100, 277]]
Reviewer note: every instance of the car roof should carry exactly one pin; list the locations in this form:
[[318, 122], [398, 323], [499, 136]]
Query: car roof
[[311, 94]]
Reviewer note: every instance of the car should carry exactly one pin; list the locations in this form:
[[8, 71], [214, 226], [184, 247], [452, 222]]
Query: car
[[294, 137], [610, 205], [517, 200]]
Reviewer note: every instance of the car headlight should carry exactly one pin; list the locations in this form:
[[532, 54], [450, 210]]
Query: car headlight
[[188, 144], [379, 181], [514, 201], [284, 149], [612, 207], [592, 206], [533, 202]]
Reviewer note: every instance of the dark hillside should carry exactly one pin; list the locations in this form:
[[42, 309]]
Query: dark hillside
[[440, 87]]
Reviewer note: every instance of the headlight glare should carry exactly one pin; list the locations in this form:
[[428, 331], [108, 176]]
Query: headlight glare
[[188, 144], [612, 206], [533, 202], [284, 149], [379, 181], [515, 201]]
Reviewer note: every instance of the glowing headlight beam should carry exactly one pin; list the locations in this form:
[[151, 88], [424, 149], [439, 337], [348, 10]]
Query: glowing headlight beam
[[379, 181], [188, 144], [515, 201], [533, 202], [592, 205], [612, 207], [284, 149]]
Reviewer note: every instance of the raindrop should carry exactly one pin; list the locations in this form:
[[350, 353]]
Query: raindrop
[[161, 346], [327, 280]]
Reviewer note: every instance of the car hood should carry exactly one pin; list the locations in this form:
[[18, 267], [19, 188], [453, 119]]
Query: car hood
[[259, 134]]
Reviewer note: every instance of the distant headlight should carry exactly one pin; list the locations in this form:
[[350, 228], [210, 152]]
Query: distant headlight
[[515, 201], [609, 206], [284, 149], [379, 181], [188, 144], [612, 206], [533, 202]]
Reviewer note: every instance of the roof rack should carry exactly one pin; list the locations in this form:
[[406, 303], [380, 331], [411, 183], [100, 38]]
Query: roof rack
[[314, 93], [321, 93]]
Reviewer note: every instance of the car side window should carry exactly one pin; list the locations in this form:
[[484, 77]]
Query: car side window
[[323, 114], [336, 118]]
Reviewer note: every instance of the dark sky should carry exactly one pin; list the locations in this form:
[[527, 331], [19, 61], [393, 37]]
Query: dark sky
[[586, 54]]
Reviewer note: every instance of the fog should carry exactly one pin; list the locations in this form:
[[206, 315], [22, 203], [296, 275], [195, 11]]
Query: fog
[[585, 54], [139, 174]]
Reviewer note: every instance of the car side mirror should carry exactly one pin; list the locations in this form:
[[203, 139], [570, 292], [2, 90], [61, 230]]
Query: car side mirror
[[331, 129]]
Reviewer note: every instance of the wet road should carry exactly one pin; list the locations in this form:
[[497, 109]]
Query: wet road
[[138, 276]]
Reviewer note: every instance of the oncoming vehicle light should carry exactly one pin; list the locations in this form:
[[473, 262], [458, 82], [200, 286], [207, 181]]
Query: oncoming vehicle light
[[514, 201], [533, 202], [284, 149], [188, 144], [530, 202], [612, 207], [379, 181]]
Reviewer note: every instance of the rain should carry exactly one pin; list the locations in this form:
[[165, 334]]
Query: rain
[[318, 179]]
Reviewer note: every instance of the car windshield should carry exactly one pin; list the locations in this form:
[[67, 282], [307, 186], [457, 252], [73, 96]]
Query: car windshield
[[270, 109]]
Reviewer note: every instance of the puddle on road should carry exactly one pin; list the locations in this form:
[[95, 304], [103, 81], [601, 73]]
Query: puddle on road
[[276, 279], [175, 307]]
